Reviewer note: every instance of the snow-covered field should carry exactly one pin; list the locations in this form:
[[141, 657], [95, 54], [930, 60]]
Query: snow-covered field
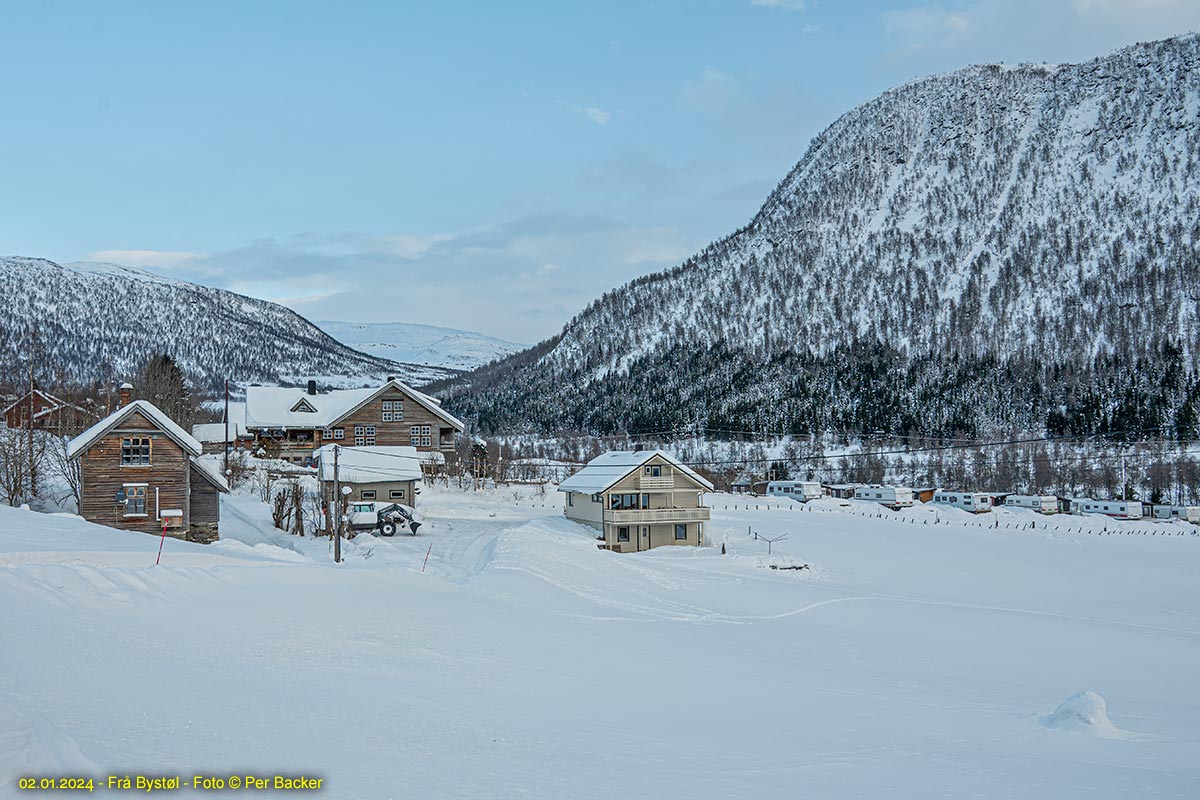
[[911, 659]]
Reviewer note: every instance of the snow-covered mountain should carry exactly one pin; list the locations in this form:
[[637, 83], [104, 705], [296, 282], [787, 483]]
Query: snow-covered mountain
[[997, 247], [97, 322], [421, 344]]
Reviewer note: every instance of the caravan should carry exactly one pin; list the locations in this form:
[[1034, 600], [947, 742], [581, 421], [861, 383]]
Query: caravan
[[797, 490], [975, 502], [1185, 513], [1118, 509], [894, 497], [1041, 503]]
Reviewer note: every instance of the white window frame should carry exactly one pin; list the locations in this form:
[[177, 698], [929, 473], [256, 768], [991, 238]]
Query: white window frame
[[395, 494], [386, 417], [339, 433], [367, 494], [145, 496]]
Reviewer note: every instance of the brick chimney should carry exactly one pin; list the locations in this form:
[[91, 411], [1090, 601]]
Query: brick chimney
[[126, 394], [312, 387]]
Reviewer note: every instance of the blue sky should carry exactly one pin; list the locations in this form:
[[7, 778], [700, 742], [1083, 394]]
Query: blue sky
[[489, 166]]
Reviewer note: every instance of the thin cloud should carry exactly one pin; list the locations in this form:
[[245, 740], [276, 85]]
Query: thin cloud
[[781, 5], [161, 259]]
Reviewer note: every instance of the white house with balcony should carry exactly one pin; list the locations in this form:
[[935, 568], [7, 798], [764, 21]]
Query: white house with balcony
[[638, 500]]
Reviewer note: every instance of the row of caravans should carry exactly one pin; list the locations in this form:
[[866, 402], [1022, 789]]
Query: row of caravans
[[896, 497]]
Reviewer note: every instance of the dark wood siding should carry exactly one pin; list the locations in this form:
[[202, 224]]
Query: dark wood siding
[[394, 433], [103, 476]]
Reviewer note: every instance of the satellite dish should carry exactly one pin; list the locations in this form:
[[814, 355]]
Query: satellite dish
[[119, 497]]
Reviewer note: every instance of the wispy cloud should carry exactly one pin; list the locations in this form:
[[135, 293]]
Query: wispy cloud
[[782, 5], [591, 113], [161, 259]]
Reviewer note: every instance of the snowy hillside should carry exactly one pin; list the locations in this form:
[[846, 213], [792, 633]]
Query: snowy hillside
[[421, 344], [96, 322], [911, 660], [1002, 246]]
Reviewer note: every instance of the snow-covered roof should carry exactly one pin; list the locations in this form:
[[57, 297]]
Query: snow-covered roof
[[210, 471], [214, 432], [608, 468], [148, 410], [53, 403], [284, 407], [370, 464]]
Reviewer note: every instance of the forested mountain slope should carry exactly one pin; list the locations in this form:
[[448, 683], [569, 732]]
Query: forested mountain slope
[[997, 247], [97, 322]]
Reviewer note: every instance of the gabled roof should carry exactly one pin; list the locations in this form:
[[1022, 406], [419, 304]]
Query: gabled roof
[[148, 410], [605, 470], [370, 464], [210, 473], [282, 407], [55, 402]]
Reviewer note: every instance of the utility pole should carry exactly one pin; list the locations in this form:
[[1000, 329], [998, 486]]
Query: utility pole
[[337, 510], [227, 426], [29, 441]]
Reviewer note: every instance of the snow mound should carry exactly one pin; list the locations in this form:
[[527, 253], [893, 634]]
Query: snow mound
[[1084, 712]]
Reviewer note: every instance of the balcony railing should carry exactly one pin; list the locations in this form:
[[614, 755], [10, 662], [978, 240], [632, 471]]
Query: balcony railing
[[648, 482], [634, 517]]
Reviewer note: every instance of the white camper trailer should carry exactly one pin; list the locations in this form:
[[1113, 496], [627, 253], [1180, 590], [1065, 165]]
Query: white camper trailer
[[1041, 503], [1185, 513], [1118, 509], [975, 502], [797, 490], [891, 496]]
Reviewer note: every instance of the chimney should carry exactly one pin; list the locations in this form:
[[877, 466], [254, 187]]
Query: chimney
[[391, 378], [126, 394], [312, 387]]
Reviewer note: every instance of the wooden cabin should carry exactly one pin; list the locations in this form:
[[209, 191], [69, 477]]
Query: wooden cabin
[[141, 472], [44, 412], [294, 423]]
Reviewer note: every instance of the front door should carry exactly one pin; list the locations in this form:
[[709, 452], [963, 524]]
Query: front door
[[645, 543]]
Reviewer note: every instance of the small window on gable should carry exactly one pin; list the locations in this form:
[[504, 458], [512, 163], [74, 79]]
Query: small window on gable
[[303, 406], [135, 452]]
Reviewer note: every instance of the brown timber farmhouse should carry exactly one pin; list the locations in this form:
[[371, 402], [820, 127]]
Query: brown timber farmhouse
[[141, 472]]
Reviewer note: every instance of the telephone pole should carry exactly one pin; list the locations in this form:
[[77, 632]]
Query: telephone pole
[[337, 510], [227, 426]]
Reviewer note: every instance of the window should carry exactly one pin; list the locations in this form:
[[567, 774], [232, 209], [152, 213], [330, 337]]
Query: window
[[359, 441], [623, 533], [645, 501], [135, 499], [414, 436], [327, 434], [387, 405], [339, 433], [597, 499], [570, 498], [363, 508], [135, 452], [653, 470], [681, 532], [367, 494], [622, 502], [387, 416], [398, 410], [396, 494], [369, 430], [358, 430], [426, 441]]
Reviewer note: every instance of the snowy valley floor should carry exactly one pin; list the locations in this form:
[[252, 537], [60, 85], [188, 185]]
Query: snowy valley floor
[[912, 660]]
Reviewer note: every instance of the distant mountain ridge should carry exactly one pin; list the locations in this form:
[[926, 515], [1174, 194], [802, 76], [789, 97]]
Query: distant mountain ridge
[[97, 322], [414, 343], [1001, 247]]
